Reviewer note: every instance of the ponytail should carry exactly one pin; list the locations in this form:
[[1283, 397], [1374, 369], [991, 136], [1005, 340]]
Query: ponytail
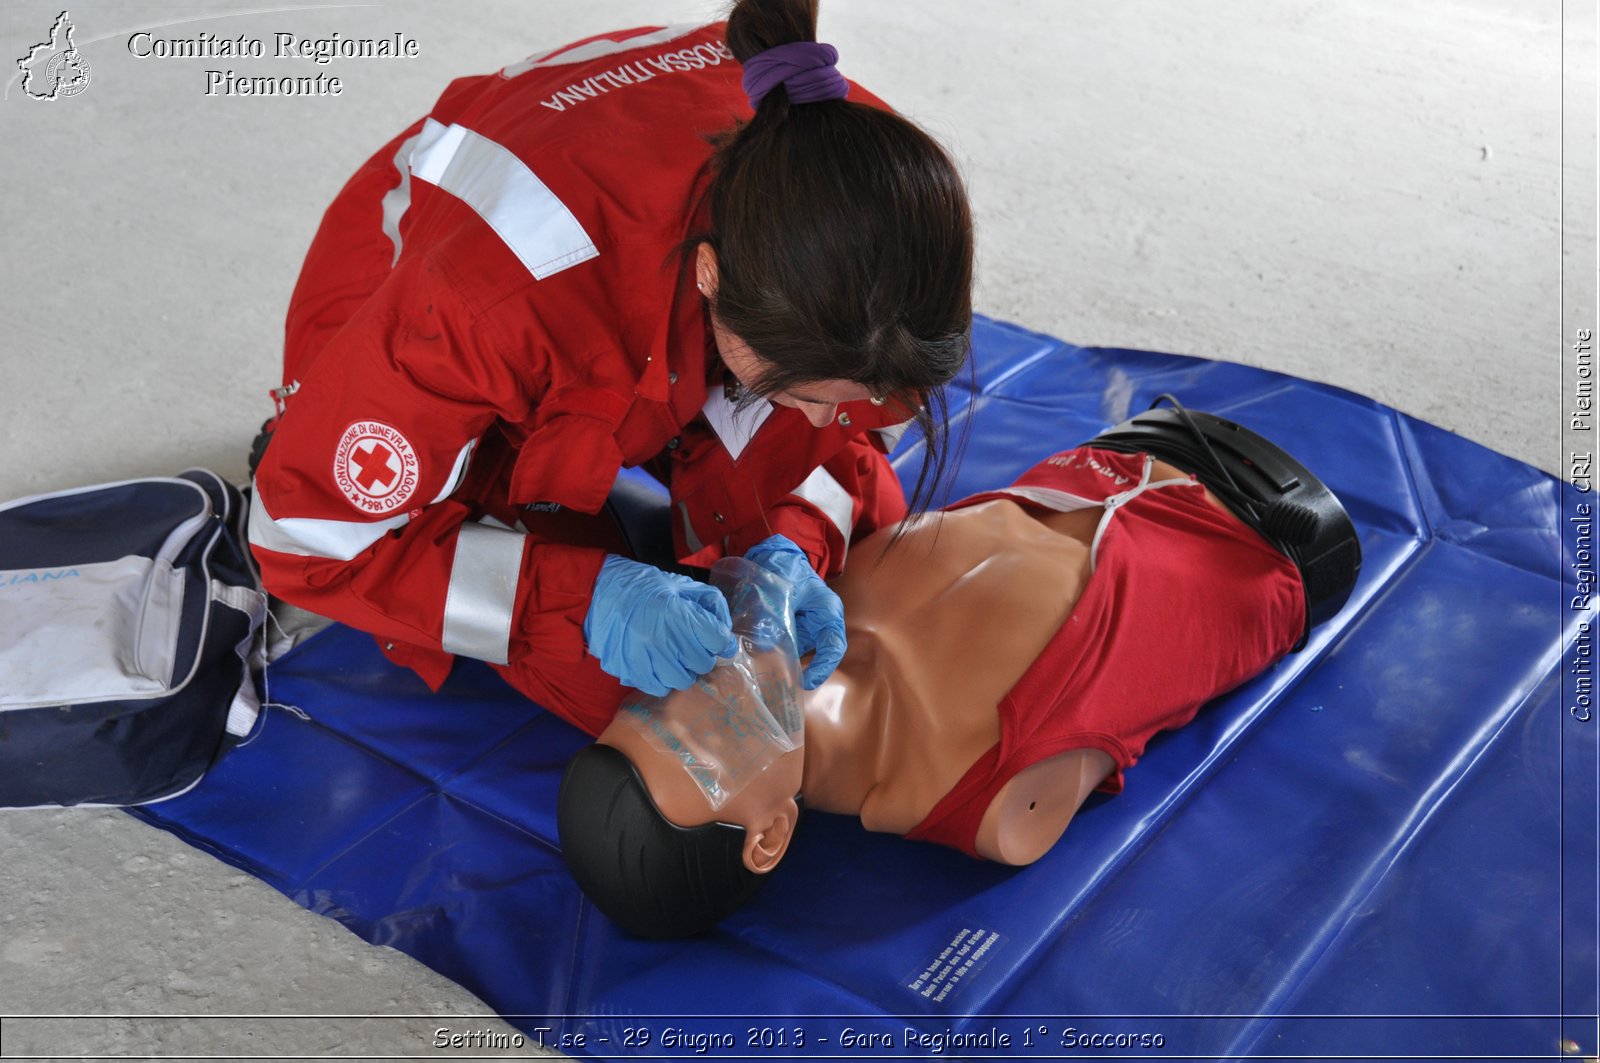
[[757, 25]]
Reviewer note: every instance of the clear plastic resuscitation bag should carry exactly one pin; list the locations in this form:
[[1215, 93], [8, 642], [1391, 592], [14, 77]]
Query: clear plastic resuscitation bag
[[739, 718]]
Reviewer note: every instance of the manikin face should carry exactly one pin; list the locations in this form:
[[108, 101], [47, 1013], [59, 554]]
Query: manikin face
[[818, 400], [764, 805]]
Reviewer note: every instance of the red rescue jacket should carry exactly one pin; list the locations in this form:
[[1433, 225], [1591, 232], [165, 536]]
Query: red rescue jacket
[[494, 316]]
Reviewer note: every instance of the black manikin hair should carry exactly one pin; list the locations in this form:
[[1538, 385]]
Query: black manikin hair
[[645, 873]]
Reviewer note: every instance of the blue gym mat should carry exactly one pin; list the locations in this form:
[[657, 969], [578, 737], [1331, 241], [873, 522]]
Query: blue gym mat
[[1383, 846]]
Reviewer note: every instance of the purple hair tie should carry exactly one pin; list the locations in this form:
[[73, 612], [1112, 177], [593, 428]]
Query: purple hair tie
[[805, 69]]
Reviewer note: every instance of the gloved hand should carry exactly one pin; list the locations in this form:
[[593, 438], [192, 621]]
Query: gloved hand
[[818, 612], [654, 630]]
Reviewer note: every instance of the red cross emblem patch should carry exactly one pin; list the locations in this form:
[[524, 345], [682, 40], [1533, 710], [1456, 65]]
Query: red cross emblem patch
[[376, 467]]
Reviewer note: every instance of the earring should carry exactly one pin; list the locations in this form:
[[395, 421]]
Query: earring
[[876, 400]]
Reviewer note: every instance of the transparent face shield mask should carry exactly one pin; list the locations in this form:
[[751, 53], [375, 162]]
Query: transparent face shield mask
[[738, 719]]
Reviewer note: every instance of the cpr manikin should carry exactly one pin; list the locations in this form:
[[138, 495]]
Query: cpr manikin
[[1006, 657]]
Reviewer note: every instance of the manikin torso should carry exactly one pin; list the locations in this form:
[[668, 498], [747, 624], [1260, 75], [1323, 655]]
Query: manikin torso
[[941, 626]]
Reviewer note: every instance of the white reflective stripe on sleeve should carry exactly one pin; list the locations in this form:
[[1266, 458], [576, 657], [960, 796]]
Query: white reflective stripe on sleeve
[[735, 427], [397, 200], [339, 540], [508, 196], [458, 472], [483, 593], [828, 495]]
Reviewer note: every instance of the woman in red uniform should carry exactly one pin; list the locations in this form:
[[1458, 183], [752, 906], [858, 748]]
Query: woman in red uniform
[[698, 250]]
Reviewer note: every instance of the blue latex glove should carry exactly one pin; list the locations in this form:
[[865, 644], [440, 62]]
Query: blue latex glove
[[818, 612], [654, 630]]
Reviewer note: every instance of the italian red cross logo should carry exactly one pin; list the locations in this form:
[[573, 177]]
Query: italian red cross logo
[[376, 467]]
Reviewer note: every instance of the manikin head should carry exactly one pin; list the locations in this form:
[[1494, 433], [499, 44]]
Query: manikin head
[[670, 821]]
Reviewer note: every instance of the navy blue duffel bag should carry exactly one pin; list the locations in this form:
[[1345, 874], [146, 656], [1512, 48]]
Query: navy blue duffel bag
[[130, 616]]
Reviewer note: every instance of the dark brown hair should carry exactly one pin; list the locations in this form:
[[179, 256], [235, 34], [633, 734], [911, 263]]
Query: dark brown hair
[[843, 242]]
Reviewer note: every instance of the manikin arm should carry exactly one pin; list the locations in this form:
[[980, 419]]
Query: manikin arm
[[1031, 812]]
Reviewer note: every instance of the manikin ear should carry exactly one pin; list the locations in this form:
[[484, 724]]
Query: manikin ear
[[765, 845], [705, 270]]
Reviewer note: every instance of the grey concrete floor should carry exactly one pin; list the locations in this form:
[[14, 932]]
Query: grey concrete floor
[[1362, 192]]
